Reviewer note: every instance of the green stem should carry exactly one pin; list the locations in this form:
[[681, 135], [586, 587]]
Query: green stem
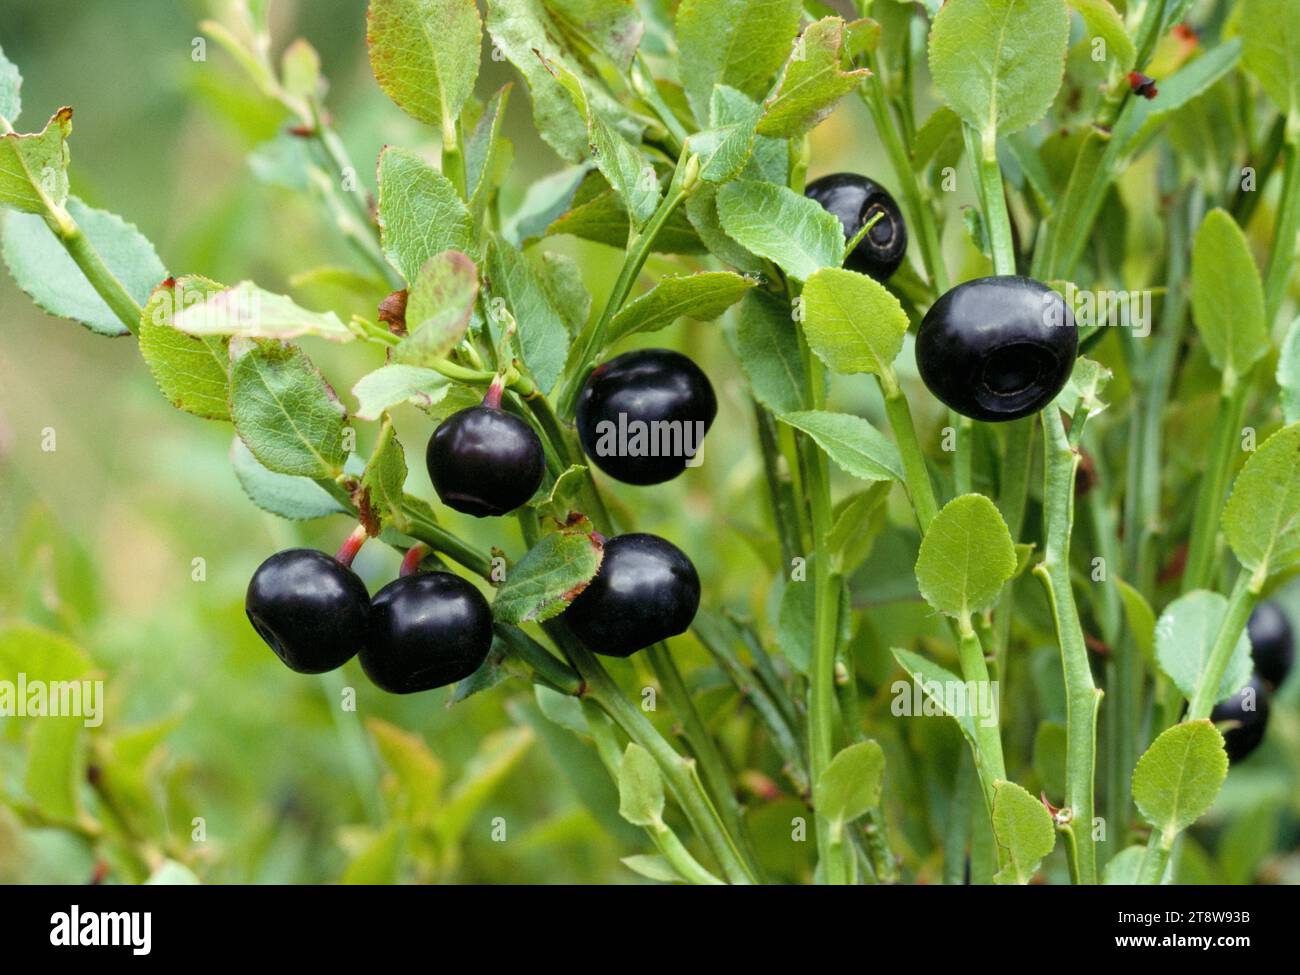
[[780, 485], [716, 776], [989, 762], [1082, 696], [997, 221], [1281, 261], [105, 282], [916, 473], [545, 666], [1245, 594], [1214, 483], [590, 343], [1013, 493], [677, 771]]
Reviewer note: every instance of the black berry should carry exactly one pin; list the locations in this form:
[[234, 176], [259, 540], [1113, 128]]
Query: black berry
[[1247, 715], [643, 415], [1271, 643], [310, 609], [426, 631], [484, 461], [855, 200], [646, 591], [997, 348]]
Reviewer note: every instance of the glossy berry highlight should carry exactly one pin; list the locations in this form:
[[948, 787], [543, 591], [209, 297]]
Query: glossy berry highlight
[[1272, 645], [426, 631], [854, 200], [642, 416], [309, 608], [1246, 714], [646, 591], [997, 348], [484, 461]]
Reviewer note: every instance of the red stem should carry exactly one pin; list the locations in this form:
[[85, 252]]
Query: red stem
[[351, 546], [495, 392], [412, 559]]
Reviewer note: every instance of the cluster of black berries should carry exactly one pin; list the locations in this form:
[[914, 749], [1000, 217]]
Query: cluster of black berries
[[427, 630], [996, 348], [1244, 716]]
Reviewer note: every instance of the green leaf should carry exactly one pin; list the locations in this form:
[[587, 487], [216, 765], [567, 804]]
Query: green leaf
[[856, 447], [525, 33], [1023, 827], [640, 788], [295, 498], [740, 43], [702, 213], [1177, 778], [794, 632], [598, 214], [438, 308], [420, 214], [852, 322], [1288, 373], [34, 168], [621, 163], [543, 334], [726, 147], [933, 680], [767, 347], [11, 82], [561, 279], [379, 861], [1101, 20], [859, 519], [1124, 867], [247, 310], [999, 63], [417, 774], [613, 27], [781, 225], [42, 268], [1189, 82], [496, 757], [850, 785], [170, 873], [193, 373], [300, 68], [383, 484], [1270, 33], [702, 296], [378, 391], [966, 557], [1141, 619], [814, 79], [285, 411], [652, 867], [1185, 634], [549, 577], [1050, 756], [487, 151], [1227, 296], [1087, 380], [1262, 517], [425, 54], [564, 710]]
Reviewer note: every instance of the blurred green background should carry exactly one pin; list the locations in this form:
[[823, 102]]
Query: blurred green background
[[202, 721]]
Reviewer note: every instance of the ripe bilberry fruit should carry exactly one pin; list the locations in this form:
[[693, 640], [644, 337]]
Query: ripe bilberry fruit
[[1248, 709], [646, 591], [1271, 643], [642, 415], [484, 461], [426, 631], [855, 200], [309, 608], [997, 348]]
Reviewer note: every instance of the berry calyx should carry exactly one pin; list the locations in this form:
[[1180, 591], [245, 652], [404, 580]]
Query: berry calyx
[[1272, 646], [426, 631], [646, 591], [855, 200], [642, 416], [997, 348], [1245, 717], [310, 609], [484, 461]]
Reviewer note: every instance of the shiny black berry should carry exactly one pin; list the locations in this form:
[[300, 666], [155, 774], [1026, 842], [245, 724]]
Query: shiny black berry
[[426, 631], [997, 348], [484, 461], [646, 591], [1271, 643], [310, 609], [1247, 715], [643, 415], [855, 200]]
